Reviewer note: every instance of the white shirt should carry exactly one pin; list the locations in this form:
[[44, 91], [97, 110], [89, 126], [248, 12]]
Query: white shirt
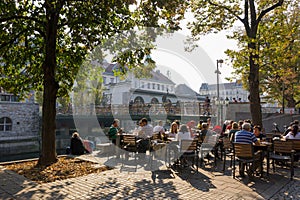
[[183, 136], [159, 129], [146, 131], [291, 136]]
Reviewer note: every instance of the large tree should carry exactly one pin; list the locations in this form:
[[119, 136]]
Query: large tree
[[278, 46], [43, 44], [213, 16]]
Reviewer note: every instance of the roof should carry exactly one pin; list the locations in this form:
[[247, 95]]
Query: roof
[[113, 66], [225, 86], [156, 76], [184, 90], [159, 77]]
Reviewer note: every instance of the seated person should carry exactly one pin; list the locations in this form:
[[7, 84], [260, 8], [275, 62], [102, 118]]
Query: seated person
[[114, 130], [159, 128], [184, 134], [77, 147], [173, 130], [235, 128], [294, 133], [245, 136], [257, 132], [145, 132]]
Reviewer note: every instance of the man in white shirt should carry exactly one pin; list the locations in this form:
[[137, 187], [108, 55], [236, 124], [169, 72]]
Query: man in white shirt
[[146, 129], [159, 128], [145, 133]]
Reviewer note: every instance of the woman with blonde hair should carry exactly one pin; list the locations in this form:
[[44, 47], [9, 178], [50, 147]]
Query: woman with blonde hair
[[173, 130]]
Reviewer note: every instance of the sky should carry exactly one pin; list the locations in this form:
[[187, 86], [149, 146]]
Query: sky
[[196, 67]]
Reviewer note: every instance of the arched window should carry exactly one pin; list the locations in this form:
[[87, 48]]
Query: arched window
[[139, 100], [154, 100], [5, 124]]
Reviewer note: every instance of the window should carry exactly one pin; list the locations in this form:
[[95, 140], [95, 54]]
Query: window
[[104, 80], [149, 85], [111, 80], [5, 124], [153, 86], [158, 86], [162, 87], [14, 98], [5, 98], [142, 86]]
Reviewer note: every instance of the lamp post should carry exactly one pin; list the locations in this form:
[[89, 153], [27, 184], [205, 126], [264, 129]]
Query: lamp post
[[283, 88], [219, 61]]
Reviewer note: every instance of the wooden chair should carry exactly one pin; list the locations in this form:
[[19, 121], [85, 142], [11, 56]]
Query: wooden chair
[[296, 148], [189, 149], [156, 136], [130, 143], [269, 137], [296, 145], [283, 152], [227, 151], [207, 146], [244, 154], [157, 148]]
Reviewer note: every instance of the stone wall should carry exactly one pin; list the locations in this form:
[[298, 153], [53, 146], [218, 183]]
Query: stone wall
[[24, 136]]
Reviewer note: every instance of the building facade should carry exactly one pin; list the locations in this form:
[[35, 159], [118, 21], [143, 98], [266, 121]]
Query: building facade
[[227, 91], [19, 129]]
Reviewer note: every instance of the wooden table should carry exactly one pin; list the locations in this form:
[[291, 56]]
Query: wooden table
[[264, 147]]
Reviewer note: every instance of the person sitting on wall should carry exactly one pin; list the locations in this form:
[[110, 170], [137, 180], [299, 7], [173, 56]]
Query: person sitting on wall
[[77, 147]]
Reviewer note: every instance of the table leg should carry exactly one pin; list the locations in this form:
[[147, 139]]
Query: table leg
[[268, 162]]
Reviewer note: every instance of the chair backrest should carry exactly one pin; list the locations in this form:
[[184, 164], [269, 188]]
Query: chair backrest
[[269, 136], [281, 146], [211, 139], [129, 140], [243, 150], [296, 144], [156, 136], [188, 145], [227, 143]]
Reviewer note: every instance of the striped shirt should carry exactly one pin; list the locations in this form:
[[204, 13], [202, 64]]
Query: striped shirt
[[244, 136]]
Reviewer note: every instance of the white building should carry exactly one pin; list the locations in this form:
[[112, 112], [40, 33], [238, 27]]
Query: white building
[[228, 91], [157, 89]]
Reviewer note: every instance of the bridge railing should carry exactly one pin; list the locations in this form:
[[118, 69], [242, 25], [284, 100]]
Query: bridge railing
[[184, 108]]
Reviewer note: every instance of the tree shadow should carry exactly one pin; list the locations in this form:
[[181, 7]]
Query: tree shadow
[[195, 178], [15, 186], [268, 185]]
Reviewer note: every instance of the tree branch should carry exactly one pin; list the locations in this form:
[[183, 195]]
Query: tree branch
[[252, 14], [264, 12], [5, 19], [226, 8], [245, 21], [2, 45]]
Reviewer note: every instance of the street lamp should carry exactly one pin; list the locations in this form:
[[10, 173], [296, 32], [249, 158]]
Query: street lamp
[[219, 61]]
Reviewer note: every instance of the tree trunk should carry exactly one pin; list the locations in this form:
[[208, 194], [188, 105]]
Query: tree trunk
[[291, 103], [48, 153], [253, 79]]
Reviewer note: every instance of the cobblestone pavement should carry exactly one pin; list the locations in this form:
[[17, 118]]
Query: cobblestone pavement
[[128, 181]]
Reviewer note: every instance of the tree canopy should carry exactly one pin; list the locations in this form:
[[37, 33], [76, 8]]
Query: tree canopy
[[278, 48], [44, 43], [212, 16]]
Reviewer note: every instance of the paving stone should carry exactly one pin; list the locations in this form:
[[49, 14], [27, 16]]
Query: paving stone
[[162, 184]]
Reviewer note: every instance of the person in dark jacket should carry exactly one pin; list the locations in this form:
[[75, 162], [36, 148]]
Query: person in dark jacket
[[77, 147]]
